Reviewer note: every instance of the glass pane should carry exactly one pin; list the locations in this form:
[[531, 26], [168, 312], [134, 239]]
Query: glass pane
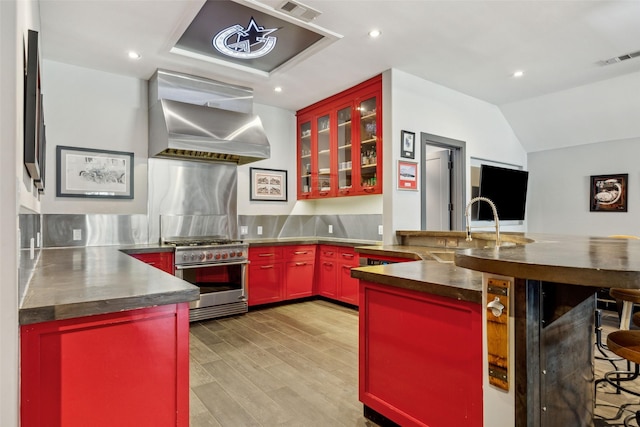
[[324, 154], [344, 149], [368, 139], [305, 157]]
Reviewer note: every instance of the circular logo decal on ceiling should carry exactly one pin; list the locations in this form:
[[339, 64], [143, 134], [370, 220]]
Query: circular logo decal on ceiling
[[245, 43]]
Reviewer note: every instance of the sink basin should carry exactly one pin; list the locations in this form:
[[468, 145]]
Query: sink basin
[[443, 256]]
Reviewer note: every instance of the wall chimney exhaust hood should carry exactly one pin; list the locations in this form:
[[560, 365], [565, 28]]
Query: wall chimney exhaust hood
[[192, 118]]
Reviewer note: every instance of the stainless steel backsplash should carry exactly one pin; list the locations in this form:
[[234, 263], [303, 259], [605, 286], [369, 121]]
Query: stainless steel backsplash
[[102, 230], [30, 228]]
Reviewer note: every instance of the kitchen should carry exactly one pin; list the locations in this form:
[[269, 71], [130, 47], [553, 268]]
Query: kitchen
[[70, 89]]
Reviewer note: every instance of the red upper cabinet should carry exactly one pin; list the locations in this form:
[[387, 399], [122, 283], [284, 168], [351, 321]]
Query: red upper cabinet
[[340, 144]]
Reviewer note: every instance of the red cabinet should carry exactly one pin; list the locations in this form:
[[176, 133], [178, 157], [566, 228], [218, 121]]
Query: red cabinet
[[265, 275], [340, 144], [120, 369], [300, 264], [161, 260], [327, 268], [348, 291], [420, 357]]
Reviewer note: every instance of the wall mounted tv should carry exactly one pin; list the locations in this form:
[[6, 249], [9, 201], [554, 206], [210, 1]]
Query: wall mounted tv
[[32, 108], [507, 188]]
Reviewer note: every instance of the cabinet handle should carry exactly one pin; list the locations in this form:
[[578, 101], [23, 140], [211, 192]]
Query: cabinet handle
[[347, 267], [266, 266], [369, 189], [266, 254], [300, 253], [328, 253], [348, 255], [328, 264], [344, 191], [323, 193], [299, 264]]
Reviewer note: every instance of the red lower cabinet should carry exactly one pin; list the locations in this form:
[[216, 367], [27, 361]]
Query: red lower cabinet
[[161, 260], [348, 289], [120, 369], [420, 357]]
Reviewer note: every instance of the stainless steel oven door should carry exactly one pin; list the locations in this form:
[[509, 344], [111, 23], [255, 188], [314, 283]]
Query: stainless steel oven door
[[221, 283]]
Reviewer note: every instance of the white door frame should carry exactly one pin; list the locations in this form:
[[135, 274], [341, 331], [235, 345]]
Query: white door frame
[[458, 177]]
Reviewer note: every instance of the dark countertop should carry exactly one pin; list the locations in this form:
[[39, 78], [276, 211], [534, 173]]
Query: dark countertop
[[282, 241], [586, 261], [74, 282], [444, 279]]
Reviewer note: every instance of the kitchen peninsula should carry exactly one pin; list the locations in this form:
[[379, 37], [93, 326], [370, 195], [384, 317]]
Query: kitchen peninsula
[[424, 323], [104, 341]]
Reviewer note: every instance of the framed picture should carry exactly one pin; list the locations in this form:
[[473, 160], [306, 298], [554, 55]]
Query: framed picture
[[407, 175], [86, 172], [268, 184], [408, 145], [608, 193]]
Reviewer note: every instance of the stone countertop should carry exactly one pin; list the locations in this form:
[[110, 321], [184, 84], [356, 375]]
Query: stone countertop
[[74, 282], [587, 261], [579, 260], [314, 240], [444, 279]]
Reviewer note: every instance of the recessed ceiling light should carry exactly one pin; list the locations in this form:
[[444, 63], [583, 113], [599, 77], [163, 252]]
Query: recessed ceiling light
[[518, 73], [134, 55], [277, 89], [374, 33]]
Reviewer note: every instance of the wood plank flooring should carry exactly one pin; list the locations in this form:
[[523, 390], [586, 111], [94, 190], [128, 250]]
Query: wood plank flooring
[[289, 365], [296, 365]]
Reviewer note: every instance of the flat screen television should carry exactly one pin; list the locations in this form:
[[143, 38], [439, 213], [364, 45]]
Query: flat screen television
[[32, 107], [507, 188]]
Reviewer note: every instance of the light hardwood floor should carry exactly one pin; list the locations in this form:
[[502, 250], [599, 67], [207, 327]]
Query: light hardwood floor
[[290, 365], [296, 365]]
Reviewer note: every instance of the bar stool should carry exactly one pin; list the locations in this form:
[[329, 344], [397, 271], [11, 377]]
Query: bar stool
[[629, 297], [625, 344]]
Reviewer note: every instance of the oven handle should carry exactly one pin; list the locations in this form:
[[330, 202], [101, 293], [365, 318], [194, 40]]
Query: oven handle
[[186, 267]]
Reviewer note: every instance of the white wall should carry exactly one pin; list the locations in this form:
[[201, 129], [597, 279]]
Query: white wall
[[603, 111], [559, 180], [417, 105], [16, 191], [93, 109]]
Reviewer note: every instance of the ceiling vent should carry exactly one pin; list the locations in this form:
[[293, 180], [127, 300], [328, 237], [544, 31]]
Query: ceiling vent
[[299, 10], [620, 58]]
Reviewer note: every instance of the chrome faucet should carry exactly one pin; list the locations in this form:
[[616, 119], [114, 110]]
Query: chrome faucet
[[467, 214]]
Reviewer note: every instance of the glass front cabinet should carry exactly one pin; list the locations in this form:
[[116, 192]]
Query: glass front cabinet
[[340, 144]]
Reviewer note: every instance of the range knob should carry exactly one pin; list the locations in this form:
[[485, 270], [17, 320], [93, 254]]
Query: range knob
[[240, 254], [232, 254], [201, 256], [185, 257], [209, 255], [224, 255], [194, 257], [217, 256]]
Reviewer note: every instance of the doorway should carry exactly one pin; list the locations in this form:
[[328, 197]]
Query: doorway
[[442, 184]]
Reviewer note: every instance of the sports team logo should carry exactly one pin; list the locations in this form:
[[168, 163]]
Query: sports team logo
[[245, 43]]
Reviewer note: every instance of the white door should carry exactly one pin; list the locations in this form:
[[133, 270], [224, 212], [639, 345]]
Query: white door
[[438, 190]]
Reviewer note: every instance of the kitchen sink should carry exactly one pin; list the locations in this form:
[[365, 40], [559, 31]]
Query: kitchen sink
[[443, 256]]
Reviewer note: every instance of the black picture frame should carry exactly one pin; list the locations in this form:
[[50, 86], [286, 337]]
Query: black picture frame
[[609, 193], [268, 185], [87, 172], [407, 144]]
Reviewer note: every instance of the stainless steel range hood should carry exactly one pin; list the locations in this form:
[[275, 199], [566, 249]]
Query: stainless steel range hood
[[192, 118]]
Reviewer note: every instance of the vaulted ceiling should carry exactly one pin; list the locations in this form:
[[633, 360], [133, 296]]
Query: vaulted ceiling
[[471, 46]]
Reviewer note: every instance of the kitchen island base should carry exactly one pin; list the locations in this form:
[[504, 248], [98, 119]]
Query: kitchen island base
[[420, 357], [127, 368]]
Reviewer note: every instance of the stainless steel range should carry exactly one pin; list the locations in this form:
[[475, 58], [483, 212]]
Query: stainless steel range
[[218, 268]]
